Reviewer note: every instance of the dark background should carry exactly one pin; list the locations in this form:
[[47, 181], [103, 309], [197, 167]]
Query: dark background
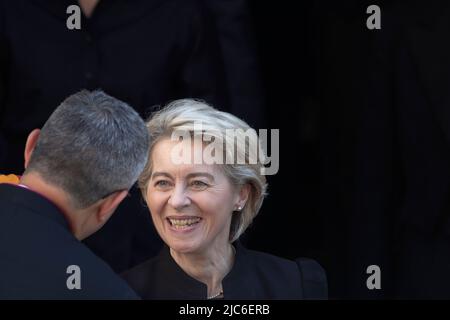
[[364, 117], [314, 58]]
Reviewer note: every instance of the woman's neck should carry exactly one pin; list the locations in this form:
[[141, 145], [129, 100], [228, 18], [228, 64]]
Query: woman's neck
[[209, 267], [88, 6]]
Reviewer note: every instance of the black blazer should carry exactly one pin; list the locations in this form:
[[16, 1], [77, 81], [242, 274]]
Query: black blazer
[[37, 247], [255, 275]]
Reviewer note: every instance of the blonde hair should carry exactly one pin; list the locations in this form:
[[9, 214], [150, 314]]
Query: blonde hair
[[185, 114]]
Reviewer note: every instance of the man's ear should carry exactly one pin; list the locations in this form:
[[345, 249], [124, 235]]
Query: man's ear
[[30, 145], [109, 205]]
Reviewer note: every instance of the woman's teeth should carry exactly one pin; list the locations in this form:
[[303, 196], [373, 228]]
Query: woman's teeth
[[183, 223]]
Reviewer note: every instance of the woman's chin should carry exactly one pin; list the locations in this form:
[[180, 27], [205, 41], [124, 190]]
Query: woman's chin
[[183, 248], [185, 244]]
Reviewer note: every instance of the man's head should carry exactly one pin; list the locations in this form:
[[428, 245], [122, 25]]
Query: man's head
[[92, 148]]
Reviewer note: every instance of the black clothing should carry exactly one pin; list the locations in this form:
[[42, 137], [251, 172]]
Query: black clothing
[[254, 275], [37, 247]]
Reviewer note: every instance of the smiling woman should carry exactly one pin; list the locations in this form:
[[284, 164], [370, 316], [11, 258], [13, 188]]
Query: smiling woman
[[201, 209]]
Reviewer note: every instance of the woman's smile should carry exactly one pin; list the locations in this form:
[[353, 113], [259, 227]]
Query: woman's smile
[[183, 224]]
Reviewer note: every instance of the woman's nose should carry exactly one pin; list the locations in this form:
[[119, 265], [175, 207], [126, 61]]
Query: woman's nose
[[179, 198]]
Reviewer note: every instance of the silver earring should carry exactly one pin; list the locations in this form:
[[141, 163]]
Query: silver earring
[[239, 208]]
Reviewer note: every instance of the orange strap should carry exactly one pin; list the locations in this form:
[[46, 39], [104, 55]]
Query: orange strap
[[11, 178]]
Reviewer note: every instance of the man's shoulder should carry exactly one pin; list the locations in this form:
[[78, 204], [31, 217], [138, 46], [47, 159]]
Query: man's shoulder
[[40, 255], [100, 281], [63, 270]]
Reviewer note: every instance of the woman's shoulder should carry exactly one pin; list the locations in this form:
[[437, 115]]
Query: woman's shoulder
[[314, 278], [139, 277], [161, 278], [269, 261], [305, 271], [143, 267]]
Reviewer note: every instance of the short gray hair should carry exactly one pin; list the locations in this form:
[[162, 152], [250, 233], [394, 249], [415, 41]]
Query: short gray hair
[[91, 146], [183, 115]]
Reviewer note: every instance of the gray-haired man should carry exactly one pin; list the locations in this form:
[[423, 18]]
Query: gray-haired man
[[79, 168]]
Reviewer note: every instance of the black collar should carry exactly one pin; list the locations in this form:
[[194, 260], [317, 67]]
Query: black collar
[[236, 284], [32, 201]]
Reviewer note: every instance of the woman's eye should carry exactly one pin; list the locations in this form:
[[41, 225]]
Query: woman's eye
[[197, 184], [162, 184]]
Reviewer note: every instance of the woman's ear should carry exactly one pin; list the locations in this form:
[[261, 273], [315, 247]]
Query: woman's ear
[[244, 193], [30, 145]]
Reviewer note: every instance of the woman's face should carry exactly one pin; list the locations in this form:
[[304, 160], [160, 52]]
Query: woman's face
[[191, 204]]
